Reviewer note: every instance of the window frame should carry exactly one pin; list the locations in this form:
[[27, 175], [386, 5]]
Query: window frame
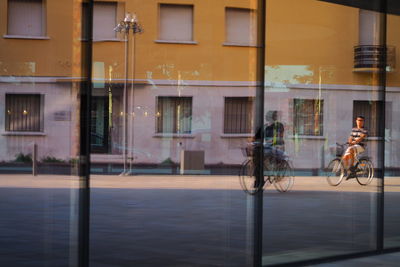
[[43, 25], [253, 22], [306, 132], [159, 111], [247, 128], [171, 41], [38, 129]]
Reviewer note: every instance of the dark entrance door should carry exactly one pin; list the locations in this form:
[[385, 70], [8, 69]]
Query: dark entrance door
[[99, 127]]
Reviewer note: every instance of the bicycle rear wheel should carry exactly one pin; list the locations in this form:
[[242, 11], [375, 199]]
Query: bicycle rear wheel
[[335, 172], [247, 178], [283, 180], [365, 172]]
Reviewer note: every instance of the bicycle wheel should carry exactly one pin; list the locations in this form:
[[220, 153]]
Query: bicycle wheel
[[247, 178], [335, 172], [365, 172], [269, 170], [283, 180]]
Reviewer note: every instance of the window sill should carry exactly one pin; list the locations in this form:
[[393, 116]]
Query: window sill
[[307, 137], [7, 36], [173, 135], [247, 135], [239, 44], [374, 138], [108, 40], [23, 134], [175, 42]]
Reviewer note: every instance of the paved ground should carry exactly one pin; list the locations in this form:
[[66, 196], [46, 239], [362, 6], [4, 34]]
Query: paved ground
[[188, 221]]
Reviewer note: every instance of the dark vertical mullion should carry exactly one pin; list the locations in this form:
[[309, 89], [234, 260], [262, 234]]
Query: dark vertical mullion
[[85, 139], [258, 159], [381, 147]]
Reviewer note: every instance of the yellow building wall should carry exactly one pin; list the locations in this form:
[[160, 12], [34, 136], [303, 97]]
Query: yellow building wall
[[206, 60], [34, 57], [307, 41]]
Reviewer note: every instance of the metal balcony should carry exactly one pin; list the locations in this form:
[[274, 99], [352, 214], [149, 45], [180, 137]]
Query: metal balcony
[[371, 58]]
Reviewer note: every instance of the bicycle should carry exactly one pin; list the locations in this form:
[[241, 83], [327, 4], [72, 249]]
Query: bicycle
[[277, 171], [364, 169]]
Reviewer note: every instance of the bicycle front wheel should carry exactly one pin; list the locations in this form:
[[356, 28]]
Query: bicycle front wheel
[[335, 172], [247, 178], [283, 180], [365, 172]]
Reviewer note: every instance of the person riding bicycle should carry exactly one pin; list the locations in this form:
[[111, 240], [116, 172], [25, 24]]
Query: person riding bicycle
[[356, 145], [273, 136]]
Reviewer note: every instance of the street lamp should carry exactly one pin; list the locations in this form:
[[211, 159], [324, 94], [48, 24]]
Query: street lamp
[[129, 24]]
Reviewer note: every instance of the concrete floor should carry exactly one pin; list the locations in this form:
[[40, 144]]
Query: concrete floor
[[190, 221]]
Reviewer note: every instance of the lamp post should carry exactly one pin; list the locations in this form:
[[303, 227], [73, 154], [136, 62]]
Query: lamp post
[[129, 24]]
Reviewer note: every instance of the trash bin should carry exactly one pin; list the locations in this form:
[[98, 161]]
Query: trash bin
[[192, 161]]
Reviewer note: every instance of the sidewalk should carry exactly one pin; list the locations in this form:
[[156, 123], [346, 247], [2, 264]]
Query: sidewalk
[[198, 182], [387, 260]]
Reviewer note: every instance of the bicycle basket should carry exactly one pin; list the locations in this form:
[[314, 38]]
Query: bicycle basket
[[337, 150], [248, 151]]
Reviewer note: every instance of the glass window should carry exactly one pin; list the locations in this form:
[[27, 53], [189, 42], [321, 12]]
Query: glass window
[[370, 111], [26, 17], [308, 117], [174, 115], [238, 115], [104, 20], [240, 24], [23, 112], [176, 22]]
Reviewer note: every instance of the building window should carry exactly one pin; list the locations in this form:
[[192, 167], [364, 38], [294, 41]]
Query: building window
[[174, 114], [238, 115], [308, 117], [176, 22], [370, 111], [104, 20], [240, 26], [26, 18], [23, 112]]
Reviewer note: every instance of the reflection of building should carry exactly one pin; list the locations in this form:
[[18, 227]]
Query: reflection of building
[[194, 78]]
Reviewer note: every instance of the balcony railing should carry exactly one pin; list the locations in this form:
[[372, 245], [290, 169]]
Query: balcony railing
[[370, 58]]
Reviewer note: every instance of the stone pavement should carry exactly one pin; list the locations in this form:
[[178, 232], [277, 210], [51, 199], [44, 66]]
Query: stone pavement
[[194, 220]]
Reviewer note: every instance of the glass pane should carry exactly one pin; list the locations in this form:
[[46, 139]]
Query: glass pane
[[317, 86], [165, 174], [41, 63], [392, 182]]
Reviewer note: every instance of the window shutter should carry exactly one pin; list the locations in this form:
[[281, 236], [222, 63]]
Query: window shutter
[[176, 22], [25, 17]]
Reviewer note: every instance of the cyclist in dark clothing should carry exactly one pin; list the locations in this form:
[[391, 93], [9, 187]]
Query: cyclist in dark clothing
[[273, 136]]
